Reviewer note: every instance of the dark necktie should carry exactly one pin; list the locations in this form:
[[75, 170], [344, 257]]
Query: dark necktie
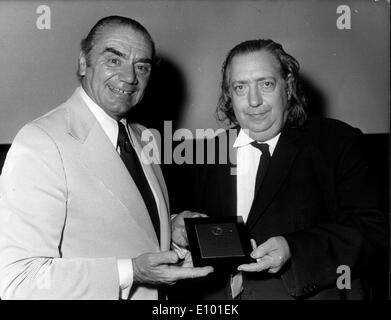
[[132, 163], [263, 164]]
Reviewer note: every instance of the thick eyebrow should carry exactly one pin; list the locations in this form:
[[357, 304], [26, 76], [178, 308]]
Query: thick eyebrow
[[123, 55], [258, 79], [114, 51], [144, 60]]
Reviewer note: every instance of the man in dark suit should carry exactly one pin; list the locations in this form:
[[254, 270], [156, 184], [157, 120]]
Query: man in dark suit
[[302, 186]]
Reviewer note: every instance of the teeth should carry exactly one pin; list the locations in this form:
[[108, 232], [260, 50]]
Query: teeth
[[120, 91]]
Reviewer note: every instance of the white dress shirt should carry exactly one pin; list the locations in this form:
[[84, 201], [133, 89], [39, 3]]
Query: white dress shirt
[[110, 127], [247, 158], [247, 161]]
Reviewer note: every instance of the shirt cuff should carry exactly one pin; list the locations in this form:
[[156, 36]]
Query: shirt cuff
[[125, 272]]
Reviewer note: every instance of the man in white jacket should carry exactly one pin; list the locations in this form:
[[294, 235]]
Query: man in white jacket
[[75, 222]]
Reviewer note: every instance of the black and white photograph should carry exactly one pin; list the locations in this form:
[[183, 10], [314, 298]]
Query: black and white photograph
[[120, 120]]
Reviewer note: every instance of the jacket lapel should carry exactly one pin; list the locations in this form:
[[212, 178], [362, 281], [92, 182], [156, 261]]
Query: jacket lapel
[[227, 181], [155, 178], [223, 183], [101, 159], [280, 165]]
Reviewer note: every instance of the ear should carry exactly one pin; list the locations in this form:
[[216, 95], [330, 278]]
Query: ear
[[82, 64]]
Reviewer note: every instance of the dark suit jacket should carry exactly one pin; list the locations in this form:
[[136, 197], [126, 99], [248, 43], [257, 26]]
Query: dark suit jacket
[[320, 195]]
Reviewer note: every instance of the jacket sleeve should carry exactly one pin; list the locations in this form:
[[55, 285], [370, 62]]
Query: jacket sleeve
[[33, 213], [355, 235]]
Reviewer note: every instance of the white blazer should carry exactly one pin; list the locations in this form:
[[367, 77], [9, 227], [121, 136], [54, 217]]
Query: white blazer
[[69, 209]]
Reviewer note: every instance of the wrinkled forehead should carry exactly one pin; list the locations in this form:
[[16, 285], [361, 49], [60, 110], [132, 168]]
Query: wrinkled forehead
[[259, 62], [123, 37]]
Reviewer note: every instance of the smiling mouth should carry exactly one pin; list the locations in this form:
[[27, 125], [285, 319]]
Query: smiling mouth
[[258, 115], [120, 91]]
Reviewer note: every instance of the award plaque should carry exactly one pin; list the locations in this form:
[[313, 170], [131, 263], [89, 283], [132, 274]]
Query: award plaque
[[221, 242]]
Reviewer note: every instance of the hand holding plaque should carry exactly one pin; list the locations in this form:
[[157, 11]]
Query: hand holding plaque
[[270, 255], [178, 230], [219, 242]]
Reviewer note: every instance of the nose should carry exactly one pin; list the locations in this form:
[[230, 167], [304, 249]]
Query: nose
[[128, 75], [254, 97]]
